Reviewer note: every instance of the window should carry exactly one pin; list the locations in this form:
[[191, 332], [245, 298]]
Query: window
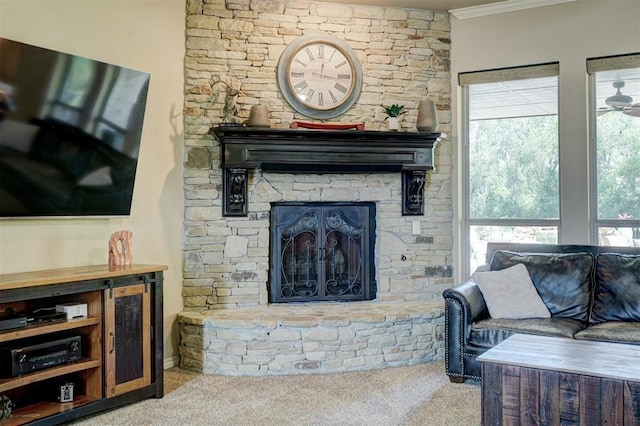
[[615, 131], [77, 80], [113, 124], [101, 99], [511, 158]]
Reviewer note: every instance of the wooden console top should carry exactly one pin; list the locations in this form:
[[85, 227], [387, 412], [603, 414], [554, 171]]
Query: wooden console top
[[66, 275]]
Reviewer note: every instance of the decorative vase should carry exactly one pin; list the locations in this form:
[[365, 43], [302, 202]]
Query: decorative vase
[[427, 116], [259, 117], [392, 123]]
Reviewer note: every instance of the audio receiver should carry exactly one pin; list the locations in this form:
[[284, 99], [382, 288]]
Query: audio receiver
[[34, 355]]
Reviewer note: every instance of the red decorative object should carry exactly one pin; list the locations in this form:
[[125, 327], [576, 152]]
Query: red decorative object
[[321, 126]]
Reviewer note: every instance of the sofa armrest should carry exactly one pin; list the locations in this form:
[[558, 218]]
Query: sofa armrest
[[464, 305]]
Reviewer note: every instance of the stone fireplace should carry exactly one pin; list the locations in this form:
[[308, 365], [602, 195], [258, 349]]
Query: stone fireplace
[[320, 251], [229, 325]]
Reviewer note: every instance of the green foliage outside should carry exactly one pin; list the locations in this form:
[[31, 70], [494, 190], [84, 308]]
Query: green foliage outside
[[618, 166], [514, 168], [77, 83]]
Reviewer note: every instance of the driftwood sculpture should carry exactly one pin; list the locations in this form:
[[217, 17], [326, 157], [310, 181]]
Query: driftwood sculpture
[[120, 248]]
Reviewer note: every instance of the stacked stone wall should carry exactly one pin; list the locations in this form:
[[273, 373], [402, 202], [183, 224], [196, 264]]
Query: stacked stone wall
[[405, 58]]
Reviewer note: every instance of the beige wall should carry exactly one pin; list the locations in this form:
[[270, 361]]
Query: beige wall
[[140, 34], [568, 33]]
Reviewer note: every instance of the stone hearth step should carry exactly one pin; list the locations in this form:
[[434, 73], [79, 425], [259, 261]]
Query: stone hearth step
[[311, 338]]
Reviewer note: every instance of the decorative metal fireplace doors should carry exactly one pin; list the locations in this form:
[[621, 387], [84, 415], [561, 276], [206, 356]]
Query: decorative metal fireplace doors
[[322, 251]]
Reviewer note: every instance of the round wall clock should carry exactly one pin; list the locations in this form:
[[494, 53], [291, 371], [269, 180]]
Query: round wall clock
[[320, 76]]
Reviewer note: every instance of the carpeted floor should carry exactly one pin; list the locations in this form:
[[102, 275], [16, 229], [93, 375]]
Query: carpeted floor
[[413, 395]]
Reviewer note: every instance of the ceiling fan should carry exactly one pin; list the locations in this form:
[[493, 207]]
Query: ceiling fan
[[620, 102]]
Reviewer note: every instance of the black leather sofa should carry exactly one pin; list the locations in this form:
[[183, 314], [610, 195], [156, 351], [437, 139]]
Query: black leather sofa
[[65, 172], [591, 292]]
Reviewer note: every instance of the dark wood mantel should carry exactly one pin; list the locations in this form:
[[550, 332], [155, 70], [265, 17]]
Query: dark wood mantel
[[324, 151]]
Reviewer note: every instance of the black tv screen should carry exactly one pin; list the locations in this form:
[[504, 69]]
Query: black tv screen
[[70, 130]]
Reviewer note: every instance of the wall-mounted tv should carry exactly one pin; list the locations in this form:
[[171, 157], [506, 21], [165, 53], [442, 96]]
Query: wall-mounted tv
[[70, 130]]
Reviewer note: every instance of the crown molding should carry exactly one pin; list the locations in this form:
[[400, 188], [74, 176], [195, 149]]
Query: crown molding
[[502, 7]]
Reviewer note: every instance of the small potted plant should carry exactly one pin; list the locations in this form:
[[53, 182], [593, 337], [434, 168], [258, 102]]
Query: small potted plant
[[393, 113]]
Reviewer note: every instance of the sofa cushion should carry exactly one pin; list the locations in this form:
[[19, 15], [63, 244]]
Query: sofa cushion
[[45, 144], [612, 331], [44, 181], [490, 332], [18, 136], [563, 280], [509, 293], [617, 290], [98, 177], [69, 148], [72, 157]]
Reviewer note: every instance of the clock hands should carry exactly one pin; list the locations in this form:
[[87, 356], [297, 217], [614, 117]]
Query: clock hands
[[328, 77]]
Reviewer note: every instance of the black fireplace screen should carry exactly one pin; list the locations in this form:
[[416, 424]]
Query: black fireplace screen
[[322, 251]]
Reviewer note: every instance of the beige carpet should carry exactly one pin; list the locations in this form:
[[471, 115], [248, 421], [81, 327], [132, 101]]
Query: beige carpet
[[414, 395]]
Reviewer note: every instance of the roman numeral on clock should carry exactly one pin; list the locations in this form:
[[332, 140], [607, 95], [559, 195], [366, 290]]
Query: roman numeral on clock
[[308, 52], [333, 98], [300, 62], [340, 87], [321, 99], [300, 86], [310, 95], [344, 76], [321, 51], [341, 64], [297, 74]]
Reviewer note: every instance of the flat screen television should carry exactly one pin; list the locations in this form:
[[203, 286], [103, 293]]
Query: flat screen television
[[70, 130]]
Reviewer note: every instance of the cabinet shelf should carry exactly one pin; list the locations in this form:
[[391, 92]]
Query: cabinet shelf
[[43, 409], [37, 330], [49, 373]]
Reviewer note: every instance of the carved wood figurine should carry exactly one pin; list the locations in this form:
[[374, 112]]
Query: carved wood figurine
[[120, 248]]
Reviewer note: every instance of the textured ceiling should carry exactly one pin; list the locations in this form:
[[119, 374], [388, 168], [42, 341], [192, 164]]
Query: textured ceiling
[[419, 4]]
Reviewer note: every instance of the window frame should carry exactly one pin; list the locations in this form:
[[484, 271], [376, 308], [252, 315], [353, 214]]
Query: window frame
[[595, 65], [468, 222]]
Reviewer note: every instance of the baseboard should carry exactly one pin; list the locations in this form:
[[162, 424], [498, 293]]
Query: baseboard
[[174, 361]]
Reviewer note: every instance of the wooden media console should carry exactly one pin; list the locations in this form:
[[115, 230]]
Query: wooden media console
[[121, 341]]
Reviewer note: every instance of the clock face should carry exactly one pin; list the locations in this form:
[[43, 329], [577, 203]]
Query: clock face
[[319, 76]]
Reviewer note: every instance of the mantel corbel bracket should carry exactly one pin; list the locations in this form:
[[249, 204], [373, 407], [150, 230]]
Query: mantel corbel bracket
[[235, 192], [413, 192]]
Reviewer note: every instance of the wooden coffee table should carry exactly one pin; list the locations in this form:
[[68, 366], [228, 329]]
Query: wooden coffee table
[[539, 380]]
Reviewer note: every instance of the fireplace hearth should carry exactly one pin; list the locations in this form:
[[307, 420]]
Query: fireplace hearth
[[322, 252]]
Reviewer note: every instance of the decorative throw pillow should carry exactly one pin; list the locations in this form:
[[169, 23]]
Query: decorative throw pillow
[[509, 293], [563, 280], [18, 136], [99, 177]]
